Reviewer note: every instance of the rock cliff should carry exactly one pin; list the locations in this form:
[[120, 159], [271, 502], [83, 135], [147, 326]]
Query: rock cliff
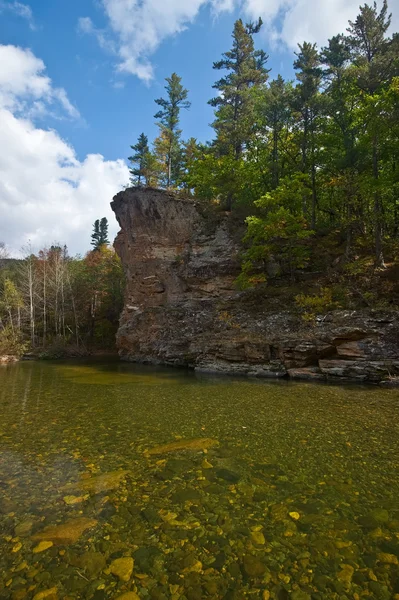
[[183, 309]]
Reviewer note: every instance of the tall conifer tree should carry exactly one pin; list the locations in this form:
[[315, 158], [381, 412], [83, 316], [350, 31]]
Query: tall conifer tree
[[99, 236], [168, 120], [234, 103], [373, 62], [138, 161]]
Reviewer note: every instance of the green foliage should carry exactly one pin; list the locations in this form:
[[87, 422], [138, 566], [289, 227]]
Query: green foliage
[[62, 305], [139, 161], [278, 233], [60, 348], [318, 304], [359, 267], [234, 103], [321, 152], [12, 342], [100, 233], [168, 122]]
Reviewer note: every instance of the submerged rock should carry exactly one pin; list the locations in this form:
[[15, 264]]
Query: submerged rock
[[67, 533], [50, 594], [346, 574], [253, 566], [181, 445], [97, 484], [23, 529], [258, 538], [92, 563], [71, 500], [122, 568], [228, 475], [42, 546]]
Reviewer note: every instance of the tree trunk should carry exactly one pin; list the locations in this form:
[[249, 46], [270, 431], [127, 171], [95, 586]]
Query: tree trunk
[[31, 303], [169, 168], [11, 320], [379, 257], [275, 158], [44, 300]]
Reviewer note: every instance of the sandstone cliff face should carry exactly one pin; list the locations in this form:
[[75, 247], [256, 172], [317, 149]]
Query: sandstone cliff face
[[183, 309]]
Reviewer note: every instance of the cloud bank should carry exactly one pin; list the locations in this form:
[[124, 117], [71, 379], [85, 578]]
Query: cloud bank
[[46, 194]]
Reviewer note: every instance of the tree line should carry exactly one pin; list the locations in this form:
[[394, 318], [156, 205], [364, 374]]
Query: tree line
[[56, 304], [298, 157]]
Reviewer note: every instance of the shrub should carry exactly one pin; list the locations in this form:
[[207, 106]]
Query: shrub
[[11, 342], [311, 306]]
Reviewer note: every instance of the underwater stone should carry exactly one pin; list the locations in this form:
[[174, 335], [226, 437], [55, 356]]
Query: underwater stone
[[346, 574], [50, 594], [228, 475], [180, 445], [23, 529], [253, 566], [67, 533], [99, 483], [122, 568], [93, 563], [42, 546]]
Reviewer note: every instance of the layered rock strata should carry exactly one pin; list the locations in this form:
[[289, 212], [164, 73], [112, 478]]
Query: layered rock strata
[[182, 307]]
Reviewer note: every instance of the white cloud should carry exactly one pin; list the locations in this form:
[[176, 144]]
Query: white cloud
[[19, 9], [294, 21], [138, 27], [46, 193], [86, 26], [23, 83]]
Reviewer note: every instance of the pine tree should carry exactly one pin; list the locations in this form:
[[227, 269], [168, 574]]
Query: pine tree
[[274, 110], [138, 160], [168, 122], [307, 103], [373, 62], [95, 236], [234, 103], [100, 233], [189, 155], [340, 130]]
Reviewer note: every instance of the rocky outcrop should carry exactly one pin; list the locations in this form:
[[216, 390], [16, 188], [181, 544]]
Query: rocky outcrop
[[182, 307]]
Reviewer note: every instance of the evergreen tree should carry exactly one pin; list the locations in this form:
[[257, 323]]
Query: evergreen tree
[[373, 62], [274, 122], [341, 134], [307, 103], [189, 154], [168, 121], [234, 103], [95, 236], [100, 233], [139, 160]]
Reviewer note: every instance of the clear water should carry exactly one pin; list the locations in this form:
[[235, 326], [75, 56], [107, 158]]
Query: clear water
[[293, 494]]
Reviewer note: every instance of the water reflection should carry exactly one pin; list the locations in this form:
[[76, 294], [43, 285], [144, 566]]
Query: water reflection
[[116, 478]]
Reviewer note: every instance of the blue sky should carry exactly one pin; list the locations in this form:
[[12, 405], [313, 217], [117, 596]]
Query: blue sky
[[78, 80], [116, 107]]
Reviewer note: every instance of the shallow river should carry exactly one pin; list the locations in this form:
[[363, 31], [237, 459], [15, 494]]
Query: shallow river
[[132, 482]]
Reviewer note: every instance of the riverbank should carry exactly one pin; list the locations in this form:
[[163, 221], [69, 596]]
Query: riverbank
[[183, 308]]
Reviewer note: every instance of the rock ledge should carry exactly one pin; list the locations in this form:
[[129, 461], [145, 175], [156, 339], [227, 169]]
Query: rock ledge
[[183, 309]]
